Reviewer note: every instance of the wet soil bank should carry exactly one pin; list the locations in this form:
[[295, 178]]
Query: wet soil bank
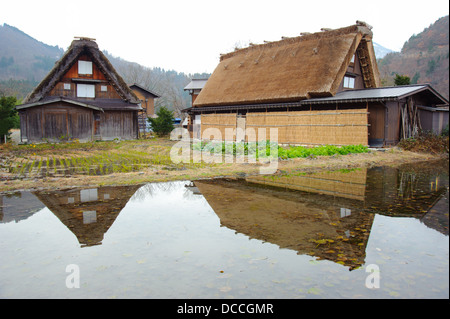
[[161, 173]]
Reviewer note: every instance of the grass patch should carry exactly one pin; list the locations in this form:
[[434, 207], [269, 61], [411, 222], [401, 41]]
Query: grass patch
[[266, 149], [325, 150]]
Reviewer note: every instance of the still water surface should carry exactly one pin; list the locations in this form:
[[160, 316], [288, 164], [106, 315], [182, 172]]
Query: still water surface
[[285, 236]]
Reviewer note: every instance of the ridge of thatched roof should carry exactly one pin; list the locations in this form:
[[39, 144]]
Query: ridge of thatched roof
[[77, 48], [292, 69]]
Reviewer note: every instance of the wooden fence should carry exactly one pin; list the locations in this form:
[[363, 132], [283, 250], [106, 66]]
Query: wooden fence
[[333, 127], [340, 184]]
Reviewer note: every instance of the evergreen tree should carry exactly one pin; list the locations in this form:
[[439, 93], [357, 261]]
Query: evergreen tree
[[8, 115], [402, 80], [163, 124]]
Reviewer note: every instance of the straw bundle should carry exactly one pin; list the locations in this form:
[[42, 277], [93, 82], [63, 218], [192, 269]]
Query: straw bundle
[[220, 122], [333, 127]]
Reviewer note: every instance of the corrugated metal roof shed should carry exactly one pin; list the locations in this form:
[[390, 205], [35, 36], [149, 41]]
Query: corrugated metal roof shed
[[196, 84], [382, 94], [379, 94]]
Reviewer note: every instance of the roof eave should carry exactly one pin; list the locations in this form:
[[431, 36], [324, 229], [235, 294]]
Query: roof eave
[[40, 103]]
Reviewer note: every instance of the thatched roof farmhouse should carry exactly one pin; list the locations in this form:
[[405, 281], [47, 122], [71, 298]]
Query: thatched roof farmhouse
[[279, 85], [82, 97]]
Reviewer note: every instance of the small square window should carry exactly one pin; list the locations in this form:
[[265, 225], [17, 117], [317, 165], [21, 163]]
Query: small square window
[[67, 86], [104, 88], [89, 216], [349, 82], [353, 59], [84, 67]]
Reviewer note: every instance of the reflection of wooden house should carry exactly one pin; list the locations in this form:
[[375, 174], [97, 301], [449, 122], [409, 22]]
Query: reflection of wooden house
[[88, 213], [318, 88], [328, 214], [83, 97], [337, 183], [307, 223]]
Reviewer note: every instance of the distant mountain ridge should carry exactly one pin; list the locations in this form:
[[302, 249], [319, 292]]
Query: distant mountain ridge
[[381, 51], [424, 58], [25, 61], [23, 57]]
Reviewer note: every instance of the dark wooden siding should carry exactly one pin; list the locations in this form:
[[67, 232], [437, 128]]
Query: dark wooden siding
[[56, 122], [433, 121], [73, 78], [118, 124], [376, 124], [55, 125], [393, 123], [73, 71], [80, 125], [34, 124]]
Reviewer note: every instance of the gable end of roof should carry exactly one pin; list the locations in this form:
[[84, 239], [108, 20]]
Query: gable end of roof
[[70, 57]]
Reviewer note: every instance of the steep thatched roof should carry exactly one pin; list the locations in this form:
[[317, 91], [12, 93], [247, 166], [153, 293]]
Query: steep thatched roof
[[293, 69], [70, 57], [103, 204]]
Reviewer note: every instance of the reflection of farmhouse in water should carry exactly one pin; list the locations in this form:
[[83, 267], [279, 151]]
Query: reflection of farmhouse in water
[[88, 213], [328, 215]]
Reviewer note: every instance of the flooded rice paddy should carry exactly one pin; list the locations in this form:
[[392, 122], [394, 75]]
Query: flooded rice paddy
[[361, 233]]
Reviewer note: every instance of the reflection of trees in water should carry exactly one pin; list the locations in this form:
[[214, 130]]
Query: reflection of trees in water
[[407, 184], [412, 183]]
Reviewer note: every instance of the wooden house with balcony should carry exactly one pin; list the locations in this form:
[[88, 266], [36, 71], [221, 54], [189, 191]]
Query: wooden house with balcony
[[82, 97]]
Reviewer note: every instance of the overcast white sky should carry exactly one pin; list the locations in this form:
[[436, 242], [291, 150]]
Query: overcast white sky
[[188, 36]]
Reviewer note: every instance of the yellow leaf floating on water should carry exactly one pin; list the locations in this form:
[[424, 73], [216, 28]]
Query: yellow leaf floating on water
[[394, 294], [225, 289], [314, 291]]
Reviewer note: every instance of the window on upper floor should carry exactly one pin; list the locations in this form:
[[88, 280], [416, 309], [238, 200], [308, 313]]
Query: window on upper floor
[[85, 90], [349, 82], [84, 67]]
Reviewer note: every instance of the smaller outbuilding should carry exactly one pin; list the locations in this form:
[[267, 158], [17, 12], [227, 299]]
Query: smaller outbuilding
[[147, 98], [394, 112], [194, 87]]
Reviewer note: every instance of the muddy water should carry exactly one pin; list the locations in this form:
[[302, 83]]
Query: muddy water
[[362, 233]]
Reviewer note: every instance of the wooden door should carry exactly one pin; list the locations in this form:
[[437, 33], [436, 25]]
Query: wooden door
[[376, 125]]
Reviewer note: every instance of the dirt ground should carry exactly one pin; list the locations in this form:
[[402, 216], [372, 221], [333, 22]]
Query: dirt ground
[[160, 173]]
